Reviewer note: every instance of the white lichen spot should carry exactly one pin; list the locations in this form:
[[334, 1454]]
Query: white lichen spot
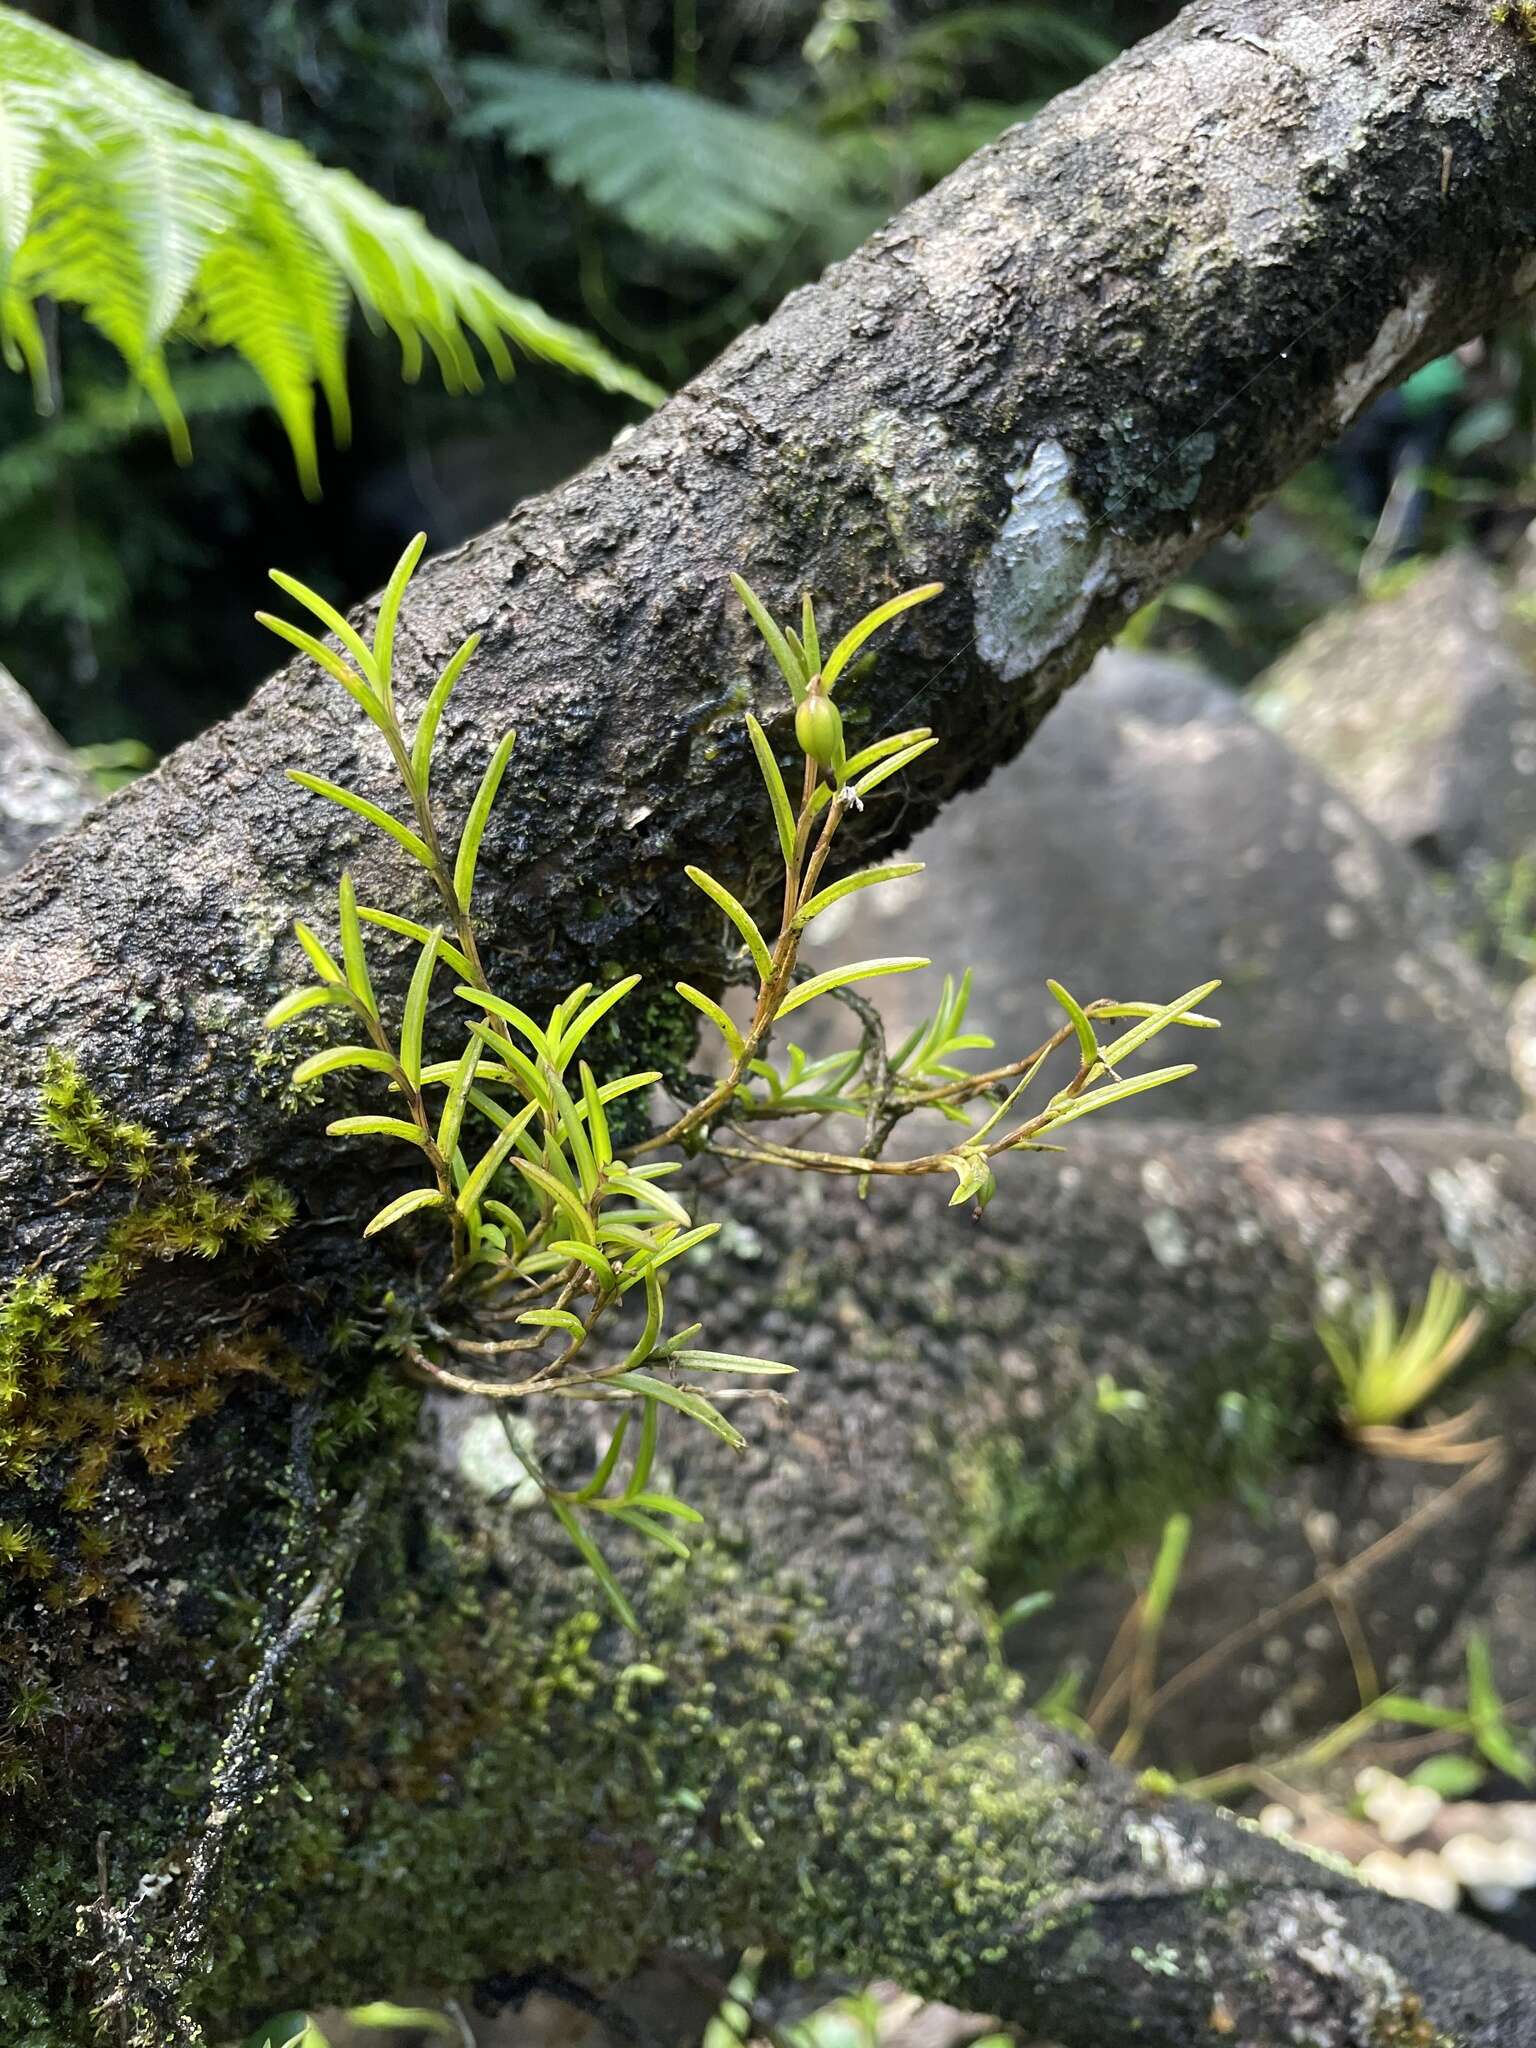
[[1395, 341], [488, 1465], [1478, 1221], [1162, 1848], [1043, 570], [1168, 1239]]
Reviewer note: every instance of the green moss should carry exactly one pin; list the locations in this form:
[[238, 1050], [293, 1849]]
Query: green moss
[[73, 1403], [1122, 1459], [486, 1783], [1519, 15]]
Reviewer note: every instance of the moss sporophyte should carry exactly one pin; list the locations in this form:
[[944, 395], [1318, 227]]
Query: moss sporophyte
[[556, 1239]]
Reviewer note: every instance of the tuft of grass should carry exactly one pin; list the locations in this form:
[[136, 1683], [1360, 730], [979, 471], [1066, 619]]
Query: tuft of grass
[[1388, 1368]]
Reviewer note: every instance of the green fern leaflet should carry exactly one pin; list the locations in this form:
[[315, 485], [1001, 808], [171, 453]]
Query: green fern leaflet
[[674, 167], [163, 223]]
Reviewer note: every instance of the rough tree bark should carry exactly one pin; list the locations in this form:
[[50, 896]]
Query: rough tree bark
[[1051, 383]]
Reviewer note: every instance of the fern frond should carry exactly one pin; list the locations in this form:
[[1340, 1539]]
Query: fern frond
[[1051, 35], [674, 167], [162, 222]]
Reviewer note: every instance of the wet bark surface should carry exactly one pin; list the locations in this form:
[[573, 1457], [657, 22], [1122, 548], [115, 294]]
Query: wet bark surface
[[1050, 383]]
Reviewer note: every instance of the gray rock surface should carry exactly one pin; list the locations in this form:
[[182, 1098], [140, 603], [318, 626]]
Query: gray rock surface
[[1154, 835], [42, 786], [1421, 707]]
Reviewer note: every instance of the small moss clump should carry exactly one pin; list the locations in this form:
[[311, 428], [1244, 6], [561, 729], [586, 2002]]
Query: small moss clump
[[72, 1403]]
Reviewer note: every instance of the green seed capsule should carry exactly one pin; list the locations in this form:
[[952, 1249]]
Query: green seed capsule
[[819, 729]]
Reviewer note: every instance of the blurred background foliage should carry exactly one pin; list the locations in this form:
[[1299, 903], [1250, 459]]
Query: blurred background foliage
[[658, 171]]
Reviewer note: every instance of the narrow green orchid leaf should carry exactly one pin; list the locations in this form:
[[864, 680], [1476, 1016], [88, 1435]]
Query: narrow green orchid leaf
[[484, 1172], [718, 1017], [403, 1205], [351, 801], [728, 1361], [653, 1532], [554, 1319], [585, 1255], [375, 1127], [389, 613], [407, 928], [739, 916], [301, 1000], [839, 977], [810, 640], [663, 1504], [836, 891], [684, 1399], [414, 1020], [778, 795], [352, 953], [893, 764], [432, 712], [317, 956], [597, 1564], [1150, 1026], [354, 685], [1087, 1042], [332, 620], [853, 640], [1117, 1091], [778, 646], [587, 1017], [451, 1122], [605, 1469], [335, 1057], [623, 1181], [565, 1200], [597, 1121], [509, 1013], [474, 824]]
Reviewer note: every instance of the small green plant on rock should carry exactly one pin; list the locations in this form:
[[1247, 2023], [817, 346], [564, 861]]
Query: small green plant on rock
[[1388, 1367], [554, 1237]]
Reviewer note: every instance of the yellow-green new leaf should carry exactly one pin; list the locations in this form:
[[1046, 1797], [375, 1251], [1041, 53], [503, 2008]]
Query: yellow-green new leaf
[[554, 1319], [509, 1013], [1117, 1091], [836, 891], [810, 639], [853, 640], [332, 620], [718, 1017], [484, 1172], [335, 1057], [407, 928], [572, 1034], [286, 1008], [352, 946], [737, 912], [1087, 1043], [778, 646], [375, 1127], [451, 1122], [414, 1020], [474, 824], [351, 801], [317, 956], [426, 729], [1171, 1013], [389, 613], [839, 977], [778, 795], [354, 685]]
